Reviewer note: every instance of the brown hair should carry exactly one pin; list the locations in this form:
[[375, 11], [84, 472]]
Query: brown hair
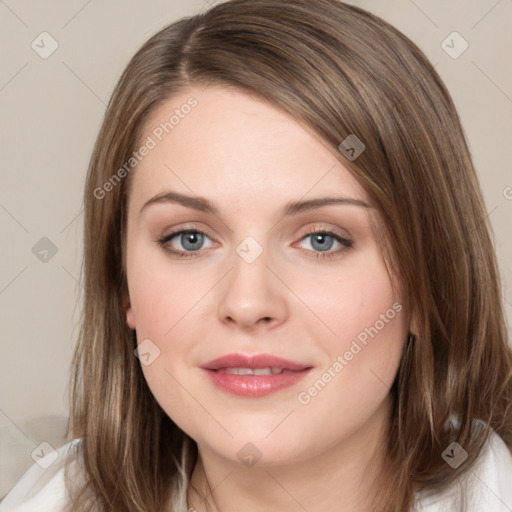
[[340, 71]]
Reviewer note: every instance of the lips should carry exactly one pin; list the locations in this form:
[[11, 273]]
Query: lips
[[254, 362], [254, 375]]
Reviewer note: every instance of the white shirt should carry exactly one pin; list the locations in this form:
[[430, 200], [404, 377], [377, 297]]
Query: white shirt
[[487, 487]]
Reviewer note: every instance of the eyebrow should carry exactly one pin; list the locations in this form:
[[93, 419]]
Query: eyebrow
[[292, 208]]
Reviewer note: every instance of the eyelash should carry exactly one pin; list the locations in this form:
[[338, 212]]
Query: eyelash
[[345, 242]]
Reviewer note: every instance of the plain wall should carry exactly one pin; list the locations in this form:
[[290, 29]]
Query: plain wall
[[51, 110]]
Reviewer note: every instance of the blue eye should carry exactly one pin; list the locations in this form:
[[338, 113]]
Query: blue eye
[[192, 240], [323, 241]]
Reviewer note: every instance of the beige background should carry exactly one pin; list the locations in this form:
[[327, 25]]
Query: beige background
[[51, 112]]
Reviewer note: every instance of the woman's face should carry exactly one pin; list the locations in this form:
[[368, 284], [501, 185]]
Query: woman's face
[[257, 283]]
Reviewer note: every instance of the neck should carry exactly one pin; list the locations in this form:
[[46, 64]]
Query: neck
[[345, 473]]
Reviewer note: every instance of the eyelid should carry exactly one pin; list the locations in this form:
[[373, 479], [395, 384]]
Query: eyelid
[[345, 241], [323, 228], [312, 229], [187, 227], [164, 239]]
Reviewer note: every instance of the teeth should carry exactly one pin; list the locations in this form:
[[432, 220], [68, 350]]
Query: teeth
[[250, 371]]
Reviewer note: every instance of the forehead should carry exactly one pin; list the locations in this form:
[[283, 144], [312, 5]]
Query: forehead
[[226, 144]]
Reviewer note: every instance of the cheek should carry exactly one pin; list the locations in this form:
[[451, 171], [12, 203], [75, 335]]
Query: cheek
[[161, 295], [166, 304], [161, 306], [352, 299], [368, 327]]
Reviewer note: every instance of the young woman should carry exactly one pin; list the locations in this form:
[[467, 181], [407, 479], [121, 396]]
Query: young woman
[[291, 296]]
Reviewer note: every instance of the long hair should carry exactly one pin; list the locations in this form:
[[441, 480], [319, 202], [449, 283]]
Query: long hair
[[340, 71]]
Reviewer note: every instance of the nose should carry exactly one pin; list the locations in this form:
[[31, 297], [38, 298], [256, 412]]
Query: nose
[[252, 296]]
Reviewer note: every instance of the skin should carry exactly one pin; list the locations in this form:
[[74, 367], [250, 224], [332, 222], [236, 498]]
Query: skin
[[249, 159]]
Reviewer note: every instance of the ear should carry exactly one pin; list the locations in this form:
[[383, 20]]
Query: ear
[[130, 317], [413, 325]]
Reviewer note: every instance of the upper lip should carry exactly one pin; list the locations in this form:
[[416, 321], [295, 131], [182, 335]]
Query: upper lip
[[253, 361]]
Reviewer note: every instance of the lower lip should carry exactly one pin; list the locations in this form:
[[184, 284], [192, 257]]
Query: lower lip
[[255, 385]]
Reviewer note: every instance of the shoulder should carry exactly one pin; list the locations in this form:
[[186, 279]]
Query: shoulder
[[43, 486], [487, 486]]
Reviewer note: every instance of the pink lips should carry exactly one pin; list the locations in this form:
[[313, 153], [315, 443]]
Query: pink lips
[[233, 373]]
